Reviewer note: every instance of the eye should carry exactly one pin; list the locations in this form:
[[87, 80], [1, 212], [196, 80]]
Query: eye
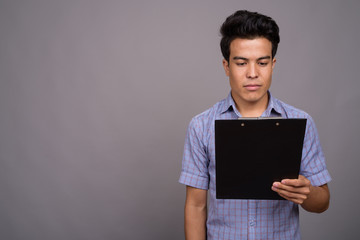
[[263, 63], [241, 63]]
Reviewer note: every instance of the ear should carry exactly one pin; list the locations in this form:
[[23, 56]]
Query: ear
[[226, 67], [273, 63]]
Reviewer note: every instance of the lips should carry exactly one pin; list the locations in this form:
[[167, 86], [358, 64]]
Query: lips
[[252, 87]]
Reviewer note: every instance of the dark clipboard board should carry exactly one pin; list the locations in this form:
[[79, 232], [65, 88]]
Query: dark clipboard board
[[253, 153]]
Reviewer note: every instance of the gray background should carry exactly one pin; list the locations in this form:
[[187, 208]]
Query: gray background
[[96, 96]]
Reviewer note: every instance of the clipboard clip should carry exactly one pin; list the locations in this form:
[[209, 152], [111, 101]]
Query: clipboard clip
[[259, 118]]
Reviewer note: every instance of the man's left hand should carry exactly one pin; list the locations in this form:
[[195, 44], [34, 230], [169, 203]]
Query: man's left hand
[[295, 190]]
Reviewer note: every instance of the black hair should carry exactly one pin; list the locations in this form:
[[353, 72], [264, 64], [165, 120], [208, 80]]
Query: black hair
[[248, 25]]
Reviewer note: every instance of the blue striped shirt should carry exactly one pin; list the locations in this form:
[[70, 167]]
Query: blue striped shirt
[[247, 219]]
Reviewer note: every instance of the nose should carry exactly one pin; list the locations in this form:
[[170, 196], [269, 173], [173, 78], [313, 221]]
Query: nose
[[252, 72]]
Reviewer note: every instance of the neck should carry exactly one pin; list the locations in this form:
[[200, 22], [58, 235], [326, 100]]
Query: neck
[[252, 109]]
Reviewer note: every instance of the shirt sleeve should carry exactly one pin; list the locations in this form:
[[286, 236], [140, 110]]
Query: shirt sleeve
[[313, 165], [195, 162]]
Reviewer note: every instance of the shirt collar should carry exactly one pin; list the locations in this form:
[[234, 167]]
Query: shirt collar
[[229, 104], [272, 109]]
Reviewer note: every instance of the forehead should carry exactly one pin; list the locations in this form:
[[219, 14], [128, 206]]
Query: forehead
[[257, 47]]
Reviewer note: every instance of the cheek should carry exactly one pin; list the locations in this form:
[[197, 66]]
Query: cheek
[[237, 76], [269, 79], [236, 83], [267, 76]]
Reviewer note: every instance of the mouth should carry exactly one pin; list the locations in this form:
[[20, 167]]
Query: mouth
[[252, 87]]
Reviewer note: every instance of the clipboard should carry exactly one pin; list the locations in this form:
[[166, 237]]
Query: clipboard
[[250, 154]]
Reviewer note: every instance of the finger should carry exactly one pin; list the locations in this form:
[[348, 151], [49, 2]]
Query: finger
[[294, 200], [293, 195], [301, 190], [292, 192], [293, 182], [301, 181]]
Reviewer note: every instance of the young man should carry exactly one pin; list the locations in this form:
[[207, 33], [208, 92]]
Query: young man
[[249, 43]]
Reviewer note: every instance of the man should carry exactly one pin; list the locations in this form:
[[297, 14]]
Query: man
[[249, 43]]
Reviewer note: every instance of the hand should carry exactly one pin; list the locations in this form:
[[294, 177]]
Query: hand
[[295, 190]]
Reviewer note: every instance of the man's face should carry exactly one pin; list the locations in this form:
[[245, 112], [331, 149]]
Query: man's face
[[250, 70]]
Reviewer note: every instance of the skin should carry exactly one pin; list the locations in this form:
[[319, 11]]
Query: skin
[[300, 191], [250, 69], [195, 213]]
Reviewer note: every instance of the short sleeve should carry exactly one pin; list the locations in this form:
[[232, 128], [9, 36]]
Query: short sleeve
[[313, 164], [195, 162]]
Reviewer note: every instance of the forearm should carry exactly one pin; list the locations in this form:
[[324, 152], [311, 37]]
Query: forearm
[[318, 199], [195, 222]]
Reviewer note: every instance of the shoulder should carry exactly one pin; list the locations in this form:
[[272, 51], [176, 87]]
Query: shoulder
[[202, 124], [208, 116], [291, 111]]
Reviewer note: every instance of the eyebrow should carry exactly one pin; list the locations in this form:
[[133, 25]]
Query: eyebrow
[[246, 59]]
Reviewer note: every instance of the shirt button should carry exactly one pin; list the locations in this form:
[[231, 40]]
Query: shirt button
[[252, 223]]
